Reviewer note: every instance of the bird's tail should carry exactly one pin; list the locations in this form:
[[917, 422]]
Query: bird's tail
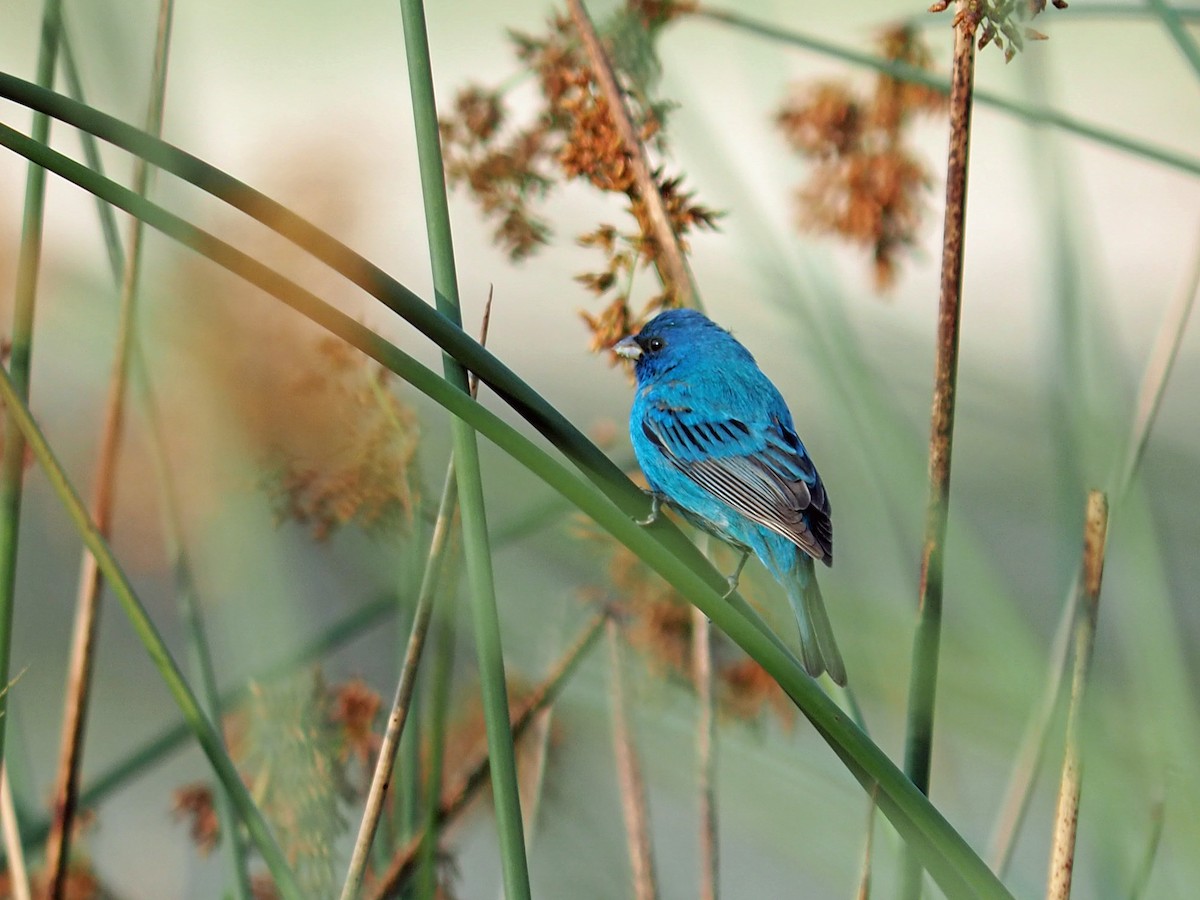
[[818, 649]]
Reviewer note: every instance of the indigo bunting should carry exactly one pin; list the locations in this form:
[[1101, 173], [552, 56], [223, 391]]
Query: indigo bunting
[[715, 440]]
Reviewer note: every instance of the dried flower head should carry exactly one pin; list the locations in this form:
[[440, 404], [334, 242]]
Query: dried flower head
[[355, 713], [194, 804], [746, 691], [657, 621], [358, 465], [574, 136], [864, 184]]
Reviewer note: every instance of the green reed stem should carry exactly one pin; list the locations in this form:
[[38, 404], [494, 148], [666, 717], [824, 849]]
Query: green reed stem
[[12, 460], [476, 547]]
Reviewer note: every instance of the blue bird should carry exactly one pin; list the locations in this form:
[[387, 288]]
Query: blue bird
[[715, 440]]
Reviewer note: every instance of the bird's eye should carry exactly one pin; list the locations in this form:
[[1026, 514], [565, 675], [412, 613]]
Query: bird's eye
[[655, 344]]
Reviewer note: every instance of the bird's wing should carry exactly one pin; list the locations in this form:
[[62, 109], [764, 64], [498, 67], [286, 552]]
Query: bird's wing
[[762, 472]]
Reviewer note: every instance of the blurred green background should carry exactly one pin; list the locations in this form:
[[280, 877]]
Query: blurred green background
[[1074, 250]]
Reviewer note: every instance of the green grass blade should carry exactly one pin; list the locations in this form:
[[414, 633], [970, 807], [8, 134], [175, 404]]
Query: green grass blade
[[173, 738], [1173, 22], [12, 461], [905, 72], [206, 734], [664, 547], [486, 619]]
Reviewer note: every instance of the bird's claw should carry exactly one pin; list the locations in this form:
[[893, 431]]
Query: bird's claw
[[655, 503], [736, 577]]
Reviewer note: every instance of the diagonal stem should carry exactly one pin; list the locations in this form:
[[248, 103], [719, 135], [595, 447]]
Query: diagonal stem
[[672, 265], [447, 509], [457, 799], [922, 690], [1066, 817], [87, 609]]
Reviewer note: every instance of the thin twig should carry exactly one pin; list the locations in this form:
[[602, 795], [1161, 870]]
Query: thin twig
[[629, 776], [923, 680], [1034, 740], [190, 611], [1066, 818], [457, 799], [18, 875], [706, 755], [87, 609], [673, 269], [386, 760]]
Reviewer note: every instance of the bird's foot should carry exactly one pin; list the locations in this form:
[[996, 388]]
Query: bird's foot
[[736, 577], [655, 503]]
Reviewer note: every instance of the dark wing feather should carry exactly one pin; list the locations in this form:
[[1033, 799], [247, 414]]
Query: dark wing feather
[[764, 474]]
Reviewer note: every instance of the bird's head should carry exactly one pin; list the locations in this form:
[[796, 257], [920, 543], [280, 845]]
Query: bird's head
[[669, 339]]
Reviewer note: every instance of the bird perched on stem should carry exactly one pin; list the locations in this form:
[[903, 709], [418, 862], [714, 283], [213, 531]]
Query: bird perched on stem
[[715, 440]]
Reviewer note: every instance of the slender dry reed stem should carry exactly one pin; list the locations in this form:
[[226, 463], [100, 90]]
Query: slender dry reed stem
[[863, 891], [1032, 749], [923, 680], [469, 786], [18, 875], [1066, 817], [706, 755], [673, 269], [634, 805], [87, 607], [401, 703]]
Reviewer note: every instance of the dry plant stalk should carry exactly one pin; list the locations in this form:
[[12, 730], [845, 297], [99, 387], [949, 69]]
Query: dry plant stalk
[[456, 799], [87, 606], [18, 876], [672, 266], [706, 739], [1151, 388], [1066, 816], [629, 775], [918, 748]]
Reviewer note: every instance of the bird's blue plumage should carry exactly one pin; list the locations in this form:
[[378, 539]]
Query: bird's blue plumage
[[715, 439]]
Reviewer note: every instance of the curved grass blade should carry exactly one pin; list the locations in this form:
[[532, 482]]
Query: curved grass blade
[[204, 731], [665, 548]]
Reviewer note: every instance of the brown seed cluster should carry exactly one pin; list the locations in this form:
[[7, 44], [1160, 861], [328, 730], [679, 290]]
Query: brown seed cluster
[[574, 136], [657, 622], [193, 803], [355, 713], [865, 184], [359, 465]]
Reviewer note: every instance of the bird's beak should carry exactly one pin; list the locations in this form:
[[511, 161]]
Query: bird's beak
[[628, 348]]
